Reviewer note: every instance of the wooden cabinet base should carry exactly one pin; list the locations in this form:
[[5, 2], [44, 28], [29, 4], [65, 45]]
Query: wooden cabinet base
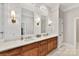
[[32, 52], [12, 52], [43, 48], [40, 48]]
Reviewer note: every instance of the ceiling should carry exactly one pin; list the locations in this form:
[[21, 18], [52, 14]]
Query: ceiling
[[63, 6], [48, 5], [67, 6]]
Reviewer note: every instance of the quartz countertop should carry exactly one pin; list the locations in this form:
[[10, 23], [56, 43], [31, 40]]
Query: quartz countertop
[[17, 43]]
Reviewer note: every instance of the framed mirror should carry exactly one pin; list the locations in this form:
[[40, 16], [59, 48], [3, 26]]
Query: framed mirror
[[27, 22], [43, 24]]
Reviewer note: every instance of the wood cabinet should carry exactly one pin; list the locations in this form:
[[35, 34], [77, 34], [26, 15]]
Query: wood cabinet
[[12, 52], [55, 43], [30, 50], [43, 48], [40, 48], [52, 44]]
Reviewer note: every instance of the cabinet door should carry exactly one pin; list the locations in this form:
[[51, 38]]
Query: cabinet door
[[50, 45], [43, 48], [55, 43], [31, 52], [12, 52]]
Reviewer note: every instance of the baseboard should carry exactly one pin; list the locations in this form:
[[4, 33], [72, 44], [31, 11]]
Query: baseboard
[[69, 45], [1, 40], [60, 45]]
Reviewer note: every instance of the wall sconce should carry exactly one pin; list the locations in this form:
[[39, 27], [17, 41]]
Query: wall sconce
[[13, 16], [49, 22], [37, 20]]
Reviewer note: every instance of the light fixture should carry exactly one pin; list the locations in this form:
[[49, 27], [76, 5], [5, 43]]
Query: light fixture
[[49, 22], [13, 16], [37, 20], [43, 10]]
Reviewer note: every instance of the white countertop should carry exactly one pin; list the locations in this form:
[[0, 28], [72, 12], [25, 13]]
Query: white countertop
[[14, 44]]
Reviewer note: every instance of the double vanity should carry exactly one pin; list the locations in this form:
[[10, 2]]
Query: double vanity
[[28, 29], [40, 46]]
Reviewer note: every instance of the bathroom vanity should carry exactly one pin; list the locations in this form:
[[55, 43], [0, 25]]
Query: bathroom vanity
[[29, 30], [40, 47]]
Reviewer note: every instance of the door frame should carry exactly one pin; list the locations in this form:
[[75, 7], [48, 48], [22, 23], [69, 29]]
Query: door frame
[[60, 44], [75, 31]]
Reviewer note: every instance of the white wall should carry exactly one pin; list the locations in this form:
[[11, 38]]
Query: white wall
[[55, 20], [69, 26], [0, 17], [11, 31], [1, 21], [61, 26]]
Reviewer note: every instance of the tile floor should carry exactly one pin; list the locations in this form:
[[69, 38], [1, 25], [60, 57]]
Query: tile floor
[[64, 51]]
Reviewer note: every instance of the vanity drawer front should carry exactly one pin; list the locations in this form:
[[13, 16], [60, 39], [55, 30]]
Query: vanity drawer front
[[43, 42], [12, 52], [31, 52], [55, 38], [30, 46]]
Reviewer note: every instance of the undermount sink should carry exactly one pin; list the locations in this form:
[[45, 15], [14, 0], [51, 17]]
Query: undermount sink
[[38, 35], [28, 38], [45, 34]]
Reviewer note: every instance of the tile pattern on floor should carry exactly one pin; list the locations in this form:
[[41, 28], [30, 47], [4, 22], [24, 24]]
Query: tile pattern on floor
[[64, 51]]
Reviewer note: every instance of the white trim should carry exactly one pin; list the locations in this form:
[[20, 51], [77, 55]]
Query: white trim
[[70, 8], [75, 40], [60, 45], [75, 31], [55, 8], [68, 45]]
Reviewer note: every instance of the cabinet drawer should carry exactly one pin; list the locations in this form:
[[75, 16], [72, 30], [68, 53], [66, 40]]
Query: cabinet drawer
[[30, 46], [31, 52], [11, 52], [55, 38], [43, 42]]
